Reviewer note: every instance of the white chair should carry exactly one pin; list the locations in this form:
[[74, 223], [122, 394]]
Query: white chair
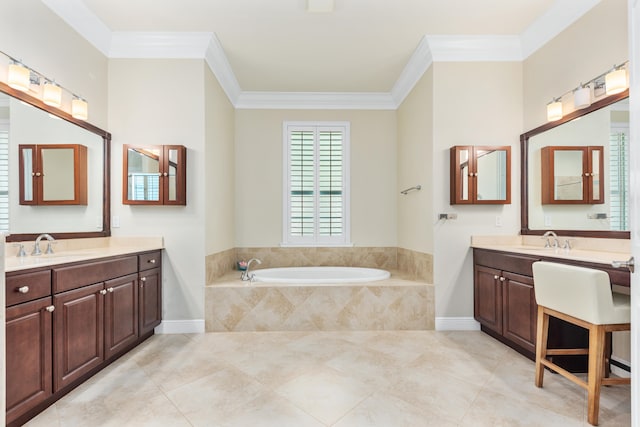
[[581, 296]]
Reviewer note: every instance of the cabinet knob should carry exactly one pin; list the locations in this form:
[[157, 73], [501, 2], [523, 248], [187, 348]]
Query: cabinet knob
[[23, 289], [587, 174], [103, 292], [110, 289], [165, 174], [495, 277], [152, 261], [143, 279], [50, 308], [38, 174], [502, 279]]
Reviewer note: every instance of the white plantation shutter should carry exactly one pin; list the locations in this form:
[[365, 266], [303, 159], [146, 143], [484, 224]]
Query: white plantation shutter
[[619, 177], [4, 177], [316, 184]]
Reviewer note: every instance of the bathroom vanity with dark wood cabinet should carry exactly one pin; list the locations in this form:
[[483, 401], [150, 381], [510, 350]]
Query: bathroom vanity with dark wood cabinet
[[65, 322], [505, 305]]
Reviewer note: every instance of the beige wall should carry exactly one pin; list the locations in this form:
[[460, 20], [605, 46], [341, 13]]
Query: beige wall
[[474, 104], [32, 33], [586, 49], [219, 182], [415, 167], [259, 174], [145, 110]]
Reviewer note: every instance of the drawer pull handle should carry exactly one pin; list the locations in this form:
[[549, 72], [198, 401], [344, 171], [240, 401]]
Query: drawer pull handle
[[144, 279], [103, 292], [23, 289], [152, 261], [110, 289], [50, 308]]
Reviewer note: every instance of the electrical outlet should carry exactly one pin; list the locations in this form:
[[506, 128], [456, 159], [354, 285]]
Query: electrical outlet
[[547, 220], [115, 221], [498, 221], [98, 222]]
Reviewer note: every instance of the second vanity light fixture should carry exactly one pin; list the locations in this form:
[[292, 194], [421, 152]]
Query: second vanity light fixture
[[22, 78], [615, 81]]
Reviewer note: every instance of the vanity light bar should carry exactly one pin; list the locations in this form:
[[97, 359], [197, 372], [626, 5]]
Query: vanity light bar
[[21, 77], [615, 81]]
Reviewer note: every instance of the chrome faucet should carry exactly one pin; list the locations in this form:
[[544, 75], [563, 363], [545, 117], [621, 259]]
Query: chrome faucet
[[548, 244], [36, 247], [245, 274]]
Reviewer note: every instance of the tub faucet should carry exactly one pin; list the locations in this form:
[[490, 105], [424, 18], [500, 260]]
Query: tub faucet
[[36, 247], [548, 244], [245, 274]]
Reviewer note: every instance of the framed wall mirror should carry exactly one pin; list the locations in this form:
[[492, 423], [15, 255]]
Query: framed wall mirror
[[600, 135], [24, 120]]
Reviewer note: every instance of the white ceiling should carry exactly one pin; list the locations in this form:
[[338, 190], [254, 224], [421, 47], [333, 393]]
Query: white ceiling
[[363, 46]]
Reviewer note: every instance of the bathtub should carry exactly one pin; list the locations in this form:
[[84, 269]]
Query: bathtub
[[320, 275], [280, 299]]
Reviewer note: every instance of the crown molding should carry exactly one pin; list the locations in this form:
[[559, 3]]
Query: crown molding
[[485, 48], [560, 15], [220, 67], [420, 61], [78, 16], [430, 49], [159, 44], [316, 101]]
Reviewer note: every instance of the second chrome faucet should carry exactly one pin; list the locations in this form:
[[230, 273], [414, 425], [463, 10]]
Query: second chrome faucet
[[36, 247]]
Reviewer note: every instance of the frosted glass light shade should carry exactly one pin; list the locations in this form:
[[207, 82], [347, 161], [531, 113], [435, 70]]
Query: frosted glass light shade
[[582, 97], [554, 111], [52, 94], [18, 77], [79, 109], [616, 81]]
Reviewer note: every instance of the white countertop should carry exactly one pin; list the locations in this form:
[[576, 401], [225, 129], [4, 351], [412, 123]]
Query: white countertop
[[73, 250], [594, 250]]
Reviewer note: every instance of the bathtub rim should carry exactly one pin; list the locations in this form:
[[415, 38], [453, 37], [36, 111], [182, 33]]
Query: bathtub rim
[[373, 275]]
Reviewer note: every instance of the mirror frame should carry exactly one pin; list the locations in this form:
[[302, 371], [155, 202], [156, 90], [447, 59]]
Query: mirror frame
[[524, 172], [106, 177]]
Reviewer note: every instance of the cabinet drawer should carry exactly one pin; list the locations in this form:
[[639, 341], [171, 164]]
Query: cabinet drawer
[[520, 264], [76, 276], [27, 287], [150, 260]]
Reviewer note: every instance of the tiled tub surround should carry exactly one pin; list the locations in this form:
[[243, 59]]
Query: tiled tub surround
[[391, 304], [413, 265], [404, 302]]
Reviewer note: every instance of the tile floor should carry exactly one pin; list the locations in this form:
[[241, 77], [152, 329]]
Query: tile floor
[[399, 378]]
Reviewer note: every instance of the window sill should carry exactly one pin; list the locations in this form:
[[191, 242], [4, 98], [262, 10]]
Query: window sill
[[318, 245]]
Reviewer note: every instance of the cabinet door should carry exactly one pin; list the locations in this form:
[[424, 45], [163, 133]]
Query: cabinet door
[[519, 310], [150, 297], [120, 314], [595, 174], [487, 289], [28, 356], [53, 174], [78, 333], [174, 175], [461, 175], [492, 175]]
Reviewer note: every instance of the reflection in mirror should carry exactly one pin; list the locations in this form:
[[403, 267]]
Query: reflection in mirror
[[491, 168], [464, 173], [25, 120], [143, 173], [591, 156]]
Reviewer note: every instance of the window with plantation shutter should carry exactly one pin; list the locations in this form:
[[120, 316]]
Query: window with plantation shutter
[[316, 184], [619, 177], [4, 177]]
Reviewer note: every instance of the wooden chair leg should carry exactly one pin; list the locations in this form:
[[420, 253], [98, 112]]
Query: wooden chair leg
[[596, 371], [542, 335]]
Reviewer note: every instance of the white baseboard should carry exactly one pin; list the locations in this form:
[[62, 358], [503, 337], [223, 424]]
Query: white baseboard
[[457, 324], [619, 371], [181, 327]]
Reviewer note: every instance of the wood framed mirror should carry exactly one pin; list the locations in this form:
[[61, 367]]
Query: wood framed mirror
[[96, 215], [607, 219]]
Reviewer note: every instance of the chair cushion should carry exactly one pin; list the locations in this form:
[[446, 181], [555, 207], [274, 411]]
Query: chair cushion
[[584, 293]]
